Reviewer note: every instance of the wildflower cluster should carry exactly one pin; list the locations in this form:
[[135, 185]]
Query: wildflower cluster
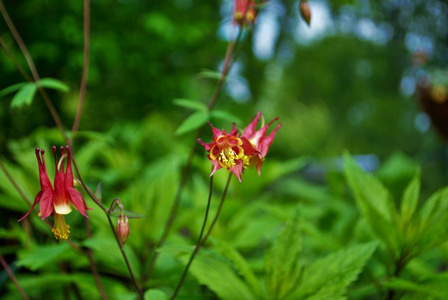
[[235, 153]]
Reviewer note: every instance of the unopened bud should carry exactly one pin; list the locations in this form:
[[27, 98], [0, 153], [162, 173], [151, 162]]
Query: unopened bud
[[122, 229], [305, 11]]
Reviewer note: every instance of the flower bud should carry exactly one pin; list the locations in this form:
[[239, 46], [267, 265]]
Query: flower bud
[[305, 11], [122, 229]]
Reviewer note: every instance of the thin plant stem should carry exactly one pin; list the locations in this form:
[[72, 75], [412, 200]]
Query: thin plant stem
[[14, 183], [13, 278], [93, 266], [85, 68], [198, 244], [223, 198], [33, 69], [103, 208], [225, 70], [14, 60], [186, 172]]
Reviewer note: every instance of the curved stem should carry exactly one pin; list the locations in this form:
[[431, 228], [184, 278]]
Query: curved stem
[[223, 198], [186, 172], [85, 68], [198, 244], [103, 208], [13, 278], [33, 69]]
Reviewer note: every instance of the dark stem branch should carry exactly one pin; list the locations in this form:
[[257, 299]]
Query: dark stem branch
[[198, 244], [14, 61], [85, 68], [13, 278]]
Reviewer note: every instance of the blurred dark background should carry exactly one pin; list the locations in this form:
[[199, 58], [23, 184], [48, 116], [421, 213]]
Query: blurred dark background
[[350, 81]]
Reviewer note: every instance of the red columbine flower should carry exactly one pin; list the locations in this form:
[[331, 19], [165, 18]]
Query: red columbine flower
[[57, 201], [259, 140], [227, 150], [244, 11]]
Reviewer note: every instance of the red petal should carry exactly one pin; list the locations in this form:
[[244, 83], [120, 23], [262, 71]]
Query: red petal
[[250, 129], [36, 200], [237, 169], [216, 166], [248, 148], [46, 204], [216, 131], [77, 201], [68, 171], [266, 142], [205, 145]]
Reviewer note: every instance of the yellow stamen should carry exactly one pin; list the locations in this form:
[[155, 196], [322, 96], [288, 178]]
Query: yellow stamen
[[61, 229], [227, 157]]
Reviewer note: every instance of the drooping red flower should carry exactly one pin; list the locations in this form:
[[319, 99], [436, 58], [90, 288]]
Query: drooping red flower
[[260, 140], [244, 11], [228, 151], [56, 201]]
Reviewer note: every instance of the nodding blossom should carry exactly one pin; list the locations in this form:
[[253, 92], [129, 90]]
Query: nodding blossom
[[56, 201], [244, 11]]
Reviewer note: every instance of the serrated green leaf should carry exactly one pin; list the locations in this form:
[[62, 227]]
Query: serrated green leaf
[[329, 277], [11, 88], [410, 200], [218, 277], [368, 189], [375, 203], [194, 121], [282, 259], [54, 84], [191, 104], [154, 294], [225, 116], [39, 256], [25, 95], [239, 263]]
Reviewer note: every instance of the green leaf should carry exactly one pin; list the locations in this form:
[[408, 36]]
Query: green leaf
[[25, 95], [194, 121], [329, 277], [210, 74], [127, 213], [225, 116], [410, 200], [12, 88], [375, 203], [368, 189], [434, 286], [39, 256], [239, 263], [54, 84], [154, 294], [282, 270], [219, 278], [191, 104]]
